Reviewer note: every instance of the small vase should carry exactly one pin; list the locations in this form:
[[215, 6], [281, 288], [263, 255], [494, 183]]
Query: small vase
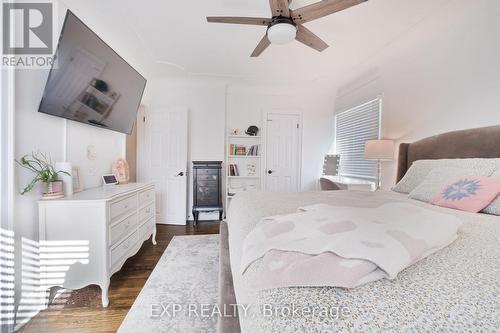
[[54, 188]]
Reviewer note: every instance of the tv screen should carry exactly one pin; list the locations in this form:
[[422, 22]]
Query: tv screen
[[90, 83]]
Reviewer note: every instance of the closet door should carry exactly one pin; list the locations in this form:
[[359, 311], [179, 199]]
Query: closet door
[[283, 150], [164, 160]]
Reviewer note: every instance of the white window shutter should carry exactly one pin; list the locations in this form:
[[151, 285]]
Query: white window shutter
[[352, 129]]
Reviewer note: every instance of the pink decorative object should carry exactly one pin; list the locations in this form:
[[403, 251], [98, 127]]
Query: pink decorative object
[[121, 171], [470, 194]]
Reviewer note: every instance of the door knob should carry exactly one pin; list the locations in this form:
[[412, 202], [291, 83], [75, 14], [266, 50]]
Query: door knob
[[270, 171], [180, 174]]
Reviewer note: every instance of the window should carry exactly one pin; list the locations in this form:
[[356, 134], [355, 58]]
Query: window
[[352, 129]]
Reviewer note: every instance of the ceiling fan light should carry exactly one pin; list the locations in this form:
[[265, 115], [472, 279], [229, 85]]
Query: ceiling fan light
[[281, 33]]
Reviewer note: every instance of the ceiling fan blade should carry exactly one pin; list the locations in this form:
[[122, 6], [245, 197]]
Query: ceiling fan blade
[[308, 38], [279, 8], [263, 44], [240, 20], [321, 9]]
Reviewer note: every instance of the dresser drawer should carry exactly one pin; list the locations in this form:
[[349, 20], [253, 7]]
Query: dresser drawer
[[146, 228], [207, 171], [146, 212], [121, 250], [208, 199], [146, 197], [120, 229], [208, 184], [213, 177], [123, 206], [208, 190]]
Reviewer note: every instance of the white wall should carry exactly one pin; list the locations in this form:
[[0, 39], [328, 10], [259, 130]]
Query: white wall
[[443, 75]]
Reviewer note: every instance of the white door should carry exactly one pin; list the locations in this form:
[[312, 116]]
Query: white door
[[165, 144], [283, 147]]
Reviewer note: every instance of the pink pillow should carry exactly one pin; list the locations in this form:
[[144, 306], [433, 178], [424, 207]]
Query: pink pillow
[[470, 194]]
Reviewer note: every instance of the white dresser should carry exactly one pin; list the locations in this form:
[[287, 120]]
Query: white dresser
[[86, 238]]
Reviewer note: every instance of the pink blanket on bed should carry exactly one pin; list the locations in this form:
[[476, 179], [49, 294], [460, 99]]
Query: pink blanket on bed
[[323, 245]]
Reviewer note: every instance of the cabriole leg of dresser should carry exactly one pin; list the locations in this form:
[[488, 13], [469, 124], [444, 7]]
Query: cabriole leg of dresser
[[104, 294], [154, 236]]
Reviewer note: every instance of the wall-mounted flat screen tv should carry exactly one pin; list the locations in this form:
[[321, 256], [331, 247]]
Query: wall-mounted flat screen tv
[[90, 83]]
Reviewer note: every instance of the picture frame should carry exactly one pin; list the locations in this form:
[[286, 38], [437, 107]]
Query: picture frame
[[251, 169], [77, 183]]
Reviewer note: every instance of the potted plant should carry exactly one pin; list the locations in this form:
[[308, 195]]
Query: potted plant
[[44, 172]]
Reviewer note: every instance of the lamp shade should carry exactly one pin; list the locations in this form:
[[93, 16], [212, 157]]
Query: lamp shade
[[382, 150]]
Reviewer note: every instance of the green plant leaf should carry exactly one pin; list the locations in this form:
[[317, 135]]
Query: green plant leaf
[[31, 185]]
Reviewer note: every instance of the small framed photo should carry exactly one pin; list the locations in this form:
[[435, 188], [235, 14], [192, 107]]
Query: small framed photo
[[251, 169]]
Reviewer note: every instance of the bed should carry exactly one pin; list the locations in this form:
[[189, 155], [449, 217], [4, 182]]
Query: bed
[[455, 289]]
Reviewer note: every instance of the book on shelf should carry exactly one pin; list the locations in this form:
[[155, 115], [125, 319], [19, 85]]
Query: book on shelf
[[233, 170], [253, 150], [240, 150]]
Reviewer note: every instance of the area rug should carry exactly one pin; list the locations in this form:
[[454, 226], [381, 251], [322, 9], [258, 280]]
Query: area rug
[[181, 292], [61, 298]]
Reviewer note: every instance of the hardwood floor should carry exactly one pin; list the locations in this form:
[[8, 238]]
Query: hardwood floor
[[124, 288]]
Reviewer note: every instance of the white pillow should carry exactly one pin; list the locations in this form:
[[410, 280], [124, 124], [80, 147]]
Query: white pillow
[[421, 168], [494, 207], [438, 178]]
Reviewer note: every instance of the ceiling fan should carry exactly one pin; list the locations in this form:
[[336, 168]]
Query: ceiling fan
[[287, 25]]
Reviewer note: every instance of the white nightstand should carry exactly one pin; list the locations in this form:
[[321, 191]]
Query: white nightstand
[[332, 183]]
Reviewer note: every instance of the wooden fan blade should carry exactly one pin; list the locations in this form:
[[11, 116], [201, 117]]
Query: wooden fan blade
[[308, 38], [321, 9], [279, 8], [263, 44], [240, 20]]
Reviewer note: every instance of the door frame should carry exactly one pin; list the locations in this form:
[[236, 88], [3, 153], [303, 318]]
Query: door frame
[[294, 112], [141, 142]]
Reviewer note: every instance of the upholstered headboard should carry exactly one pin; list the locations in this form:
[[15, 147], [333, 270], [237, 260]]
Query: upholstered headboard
[[472, 143]]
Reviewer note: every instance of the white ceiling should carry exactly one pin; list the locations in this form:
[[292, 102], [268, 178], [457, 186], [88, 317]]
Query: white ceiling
[[176, 39]]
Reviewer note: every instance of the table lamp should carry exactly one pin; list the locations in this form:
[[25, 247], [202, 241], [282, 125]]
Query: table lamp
[[379, 150]]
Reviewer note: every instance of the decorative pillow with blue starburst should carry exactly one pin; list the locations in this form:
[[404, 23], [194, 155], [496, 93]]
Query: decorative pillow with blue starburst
[[470, 194]]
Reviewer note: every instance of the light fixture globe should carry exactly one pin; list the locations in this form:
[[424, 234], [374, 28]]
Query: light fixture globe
[[281, 31]]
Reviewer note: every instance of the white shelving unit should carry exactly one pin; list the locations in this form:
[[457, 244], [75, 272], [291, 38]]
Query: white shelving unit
[[243, 182]]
